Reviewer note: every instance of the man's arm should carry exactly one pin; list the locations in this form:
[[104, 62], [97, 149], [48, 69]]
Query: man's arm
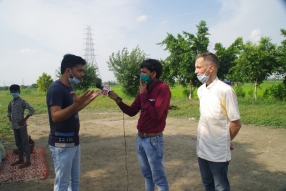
[[58, 114], [234, 128], [129, 110], [9, 111], [31, 112]]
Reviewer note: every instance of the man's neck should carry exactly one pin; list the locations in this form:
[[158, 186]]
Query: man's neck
[[211, 79], [65, 80], [153, 82], [15, 99]]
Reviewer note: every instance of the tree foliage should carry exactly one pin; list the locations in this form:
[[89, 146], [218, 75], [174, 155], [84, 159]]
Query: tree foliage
[[126, 69], [227, 57], [256, 62], [179, 66], [281, 58], [44, 82]]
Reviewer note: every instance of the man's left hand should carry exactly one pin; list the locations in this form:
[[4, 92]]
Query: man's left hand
[[231, 146]]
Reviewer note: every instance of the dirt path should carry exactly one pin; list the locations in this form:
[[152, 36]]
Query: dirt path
[[258, 161]]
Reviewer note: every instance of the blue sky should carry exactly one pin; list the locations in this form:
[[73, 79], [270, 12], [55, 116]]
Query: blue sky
[[35, 34]]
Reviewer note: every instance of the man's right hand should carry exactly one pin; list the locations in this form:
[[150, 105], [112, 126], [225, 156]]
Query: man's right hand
[[114, 96]]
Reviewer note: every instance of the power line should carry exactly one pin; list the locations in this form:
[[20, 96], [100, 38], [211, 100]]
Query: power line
[[89, 55]]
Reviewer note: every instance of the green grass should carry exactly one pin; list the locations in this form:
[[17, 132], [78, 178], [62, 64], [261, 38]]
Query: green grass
[[249, 88], [263, 112]]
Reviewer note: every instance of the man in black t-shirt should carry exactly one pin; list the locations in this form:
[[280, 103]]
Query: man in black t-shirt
[[63, 107]]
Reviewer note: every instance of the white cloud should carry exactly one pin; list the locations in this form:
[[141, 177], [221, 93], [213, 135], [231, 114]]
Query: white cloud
[[35, 39], [56, 28], [141, 18], [239, 18], [255, 36], [27, 50]]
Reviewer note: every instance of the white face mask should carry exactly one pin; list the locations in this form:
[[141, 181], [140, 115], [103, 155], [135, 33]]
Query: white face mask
[[203, 78], [73, 80]]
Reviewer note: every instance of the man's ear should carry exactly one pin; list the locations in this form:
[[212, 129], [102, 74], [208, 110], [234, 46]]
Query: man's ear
[[67, 70], [212, 68], [154, 74]]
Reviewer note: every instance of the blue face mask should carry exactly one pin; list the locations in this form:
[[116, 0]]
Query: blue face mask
[[203, 78], [146, 78], [15, 95], [73, 80]]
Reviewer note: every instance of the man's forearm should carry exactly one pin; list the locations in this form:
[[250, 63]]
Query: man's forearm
[[63, 114], [234, 128]]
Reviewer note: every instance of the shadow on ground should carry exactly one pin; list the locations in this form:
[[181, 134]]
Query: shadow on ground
[[105, 166]]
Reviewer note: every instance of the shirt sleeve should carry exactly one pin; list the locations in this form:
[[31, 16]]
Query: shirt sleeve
[[28, 107], [231, 105], [162, 101], [55, 96], [133, 109]]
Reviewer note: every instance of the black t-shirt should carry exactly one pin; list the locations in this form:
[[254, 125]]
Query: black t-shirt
[[62, 134]]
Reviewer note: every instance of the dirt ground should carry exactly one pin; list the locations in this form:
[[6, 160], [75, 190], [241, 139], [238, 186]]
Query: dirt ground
[[258, 161]]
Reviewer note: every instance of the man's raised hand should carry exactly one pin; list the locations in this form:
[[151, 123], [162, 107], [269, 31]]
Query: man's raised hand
[[83, 100]]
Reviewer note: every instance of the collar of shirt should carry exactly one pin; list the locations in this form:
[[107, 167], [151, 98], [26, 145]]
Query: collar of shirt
[[17, 100], [212, 84], [153, 85]]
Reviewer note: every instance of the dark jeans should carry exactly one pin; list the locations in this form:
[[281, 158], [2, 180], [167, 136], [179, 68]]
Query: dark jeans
[[22, 142], [214, 175]]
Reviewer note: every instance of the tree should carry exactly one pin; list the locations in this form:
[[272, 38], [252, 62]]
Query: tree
[[281, 58], [44, 82], [34, 86], [256, 62], [126, 69], [227, 57], [179, 66], [89, 80]]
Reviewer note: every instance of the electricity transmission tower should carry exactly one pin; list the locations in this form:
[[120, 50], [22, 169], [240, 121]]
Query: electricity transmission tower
[[89, 55]]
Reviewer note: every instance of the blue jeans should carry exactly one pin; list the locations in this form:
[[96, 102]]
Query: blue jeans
[[67, 168], [150, 153], [214, 175]]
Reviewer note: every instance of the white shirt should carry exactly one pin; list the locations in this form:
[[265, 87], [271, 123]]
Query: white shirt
[[218, 107]]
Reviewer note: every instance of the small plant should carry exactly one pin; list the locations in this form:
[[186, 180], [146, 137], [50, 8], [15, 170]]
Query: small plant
[[277, 91], [251, 92], [239, 91]]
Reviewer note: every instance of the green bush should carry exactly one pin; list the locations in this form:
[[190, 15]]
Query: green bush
[[277, 91], [251, 92], [239, 91]]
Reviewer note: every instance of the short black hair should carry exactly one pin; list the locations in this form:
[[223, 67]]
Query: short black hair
[[152, 65], [70, 61], [15, 87]]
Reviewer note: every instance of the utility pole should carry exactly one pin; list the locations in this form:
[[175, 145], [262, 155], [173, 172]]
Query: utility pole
[[89, 55]]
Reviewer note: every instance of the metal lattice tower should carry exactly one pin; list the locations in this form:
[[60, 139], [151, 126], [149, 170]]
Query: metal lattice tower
[[89, 55]]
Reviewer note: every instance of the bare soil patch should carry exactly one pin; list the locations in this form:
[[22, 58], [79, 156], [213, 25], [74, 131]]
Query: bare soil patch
[[109, 161]]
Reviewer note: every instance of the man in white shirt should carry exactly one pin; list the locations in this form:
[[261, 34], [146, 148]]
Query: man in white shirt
[[219, 124]]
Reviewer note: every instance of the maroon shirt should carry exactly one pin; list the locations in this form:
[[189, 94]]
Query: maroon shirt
[[154, 105]]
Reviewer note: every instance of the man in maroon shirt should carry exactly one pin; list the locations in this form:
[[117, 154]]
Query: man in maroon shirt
[[153, 99]]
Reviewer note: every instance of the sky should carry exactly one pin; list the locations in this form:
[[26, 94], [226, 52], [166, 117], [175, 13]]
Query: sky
[[36, 34]]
